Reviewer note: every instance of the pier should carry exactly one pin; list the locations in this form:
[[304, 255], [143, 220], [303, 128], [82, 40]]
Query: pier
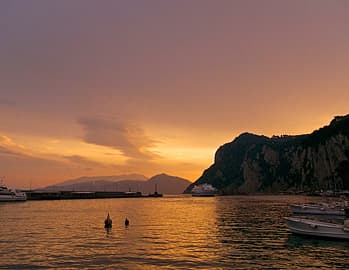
[[69, 195]]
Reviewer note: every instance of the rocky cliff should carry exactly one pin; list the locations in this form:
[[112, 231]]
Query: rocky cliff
[[312, 162]]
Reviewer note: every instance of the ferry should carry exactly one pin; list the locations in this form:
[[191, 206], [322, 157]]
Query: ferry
[[204, 190]]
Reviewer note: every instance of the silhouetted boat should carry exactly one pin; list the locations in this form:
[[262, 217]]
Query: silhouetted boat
[[108, 222], [316, 228], [155, 194]]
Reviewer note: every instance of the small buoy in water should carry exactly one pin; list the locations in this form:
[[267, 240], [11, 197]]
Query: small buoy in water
[[108, 222], [126, 222]]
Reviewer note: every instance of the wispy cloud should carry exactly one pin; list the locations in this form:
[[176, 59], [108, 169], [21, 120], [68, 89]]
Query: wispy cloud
[[5, 151], [83, 162], [126, 137], [20, 163], [8, 146], [6, 102]]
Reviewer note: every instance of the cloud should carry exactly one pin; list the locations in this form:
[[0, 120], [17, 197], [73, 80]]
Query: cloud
[[20, 165], [5, 151], [83, 162], [8, 146], [6, 102], [128, 138]]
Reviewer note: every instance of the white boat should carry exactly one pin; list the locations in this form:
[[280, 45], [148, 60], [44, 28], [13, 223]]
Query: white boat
[[317, 209], [204, 190], [318, 228], [11, 195]]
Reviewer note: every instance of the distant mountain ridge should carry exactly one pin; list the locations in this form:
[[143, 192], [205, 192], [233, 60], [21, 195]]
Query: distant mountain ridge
[[112, 178], [164, 183], [311, 162]]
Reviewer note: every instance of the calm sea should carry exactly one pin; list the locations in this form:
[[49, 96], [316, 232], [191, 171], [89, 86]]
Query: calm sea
[[242, 232]]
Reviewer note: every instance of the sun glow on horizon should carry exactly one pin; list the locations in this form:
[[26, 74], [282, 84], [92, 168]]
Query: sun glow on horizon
[[75, 154], [58, 148]]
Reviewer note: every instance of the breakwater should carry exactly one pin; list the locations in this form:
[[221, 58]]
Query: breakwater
[[67, 195]]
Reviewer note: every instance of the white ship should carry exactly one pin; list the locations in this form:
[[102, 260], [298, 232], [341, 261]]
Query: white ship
[[204, 190], [11, 195]]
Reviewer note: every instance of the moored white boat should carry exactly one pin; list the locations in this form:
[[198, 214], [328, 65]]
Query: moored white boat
[[11, 195], [204, 190], [318, 228], [317, 209]]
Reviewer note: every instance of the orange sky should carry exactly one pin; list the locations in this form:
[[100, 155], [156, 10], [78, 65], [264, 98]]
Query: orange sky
[[114, 87]]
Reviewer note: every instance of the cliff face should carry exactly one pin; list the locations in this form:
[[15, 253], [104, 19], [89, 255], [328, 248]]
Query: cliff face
[[311, 162]]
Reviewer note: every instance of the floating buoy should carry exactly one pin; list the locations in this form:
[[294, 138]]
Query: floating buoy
[[126, 222], [108, 222]]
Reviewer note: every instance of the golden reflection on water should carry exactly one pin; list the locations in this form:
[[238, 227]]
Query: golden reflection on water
[[169, 233]]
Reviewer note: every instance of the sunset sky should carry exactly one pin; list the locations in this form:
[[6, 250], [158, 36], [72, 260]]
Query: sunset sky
[[115, 87]]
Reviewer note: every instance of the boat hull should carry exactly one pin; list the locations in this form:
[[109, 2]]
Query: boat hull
[[11, 195], [316, 228], [202, 195], [9, 198]]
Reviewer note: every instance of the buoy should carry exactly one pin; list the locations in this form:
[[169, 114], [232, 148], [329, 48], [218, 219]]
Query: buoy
[[108, 222], [126, 222]]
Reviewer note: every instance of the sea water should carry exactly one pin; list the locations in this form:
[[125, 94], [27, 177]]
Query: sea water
[[173, 232]]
